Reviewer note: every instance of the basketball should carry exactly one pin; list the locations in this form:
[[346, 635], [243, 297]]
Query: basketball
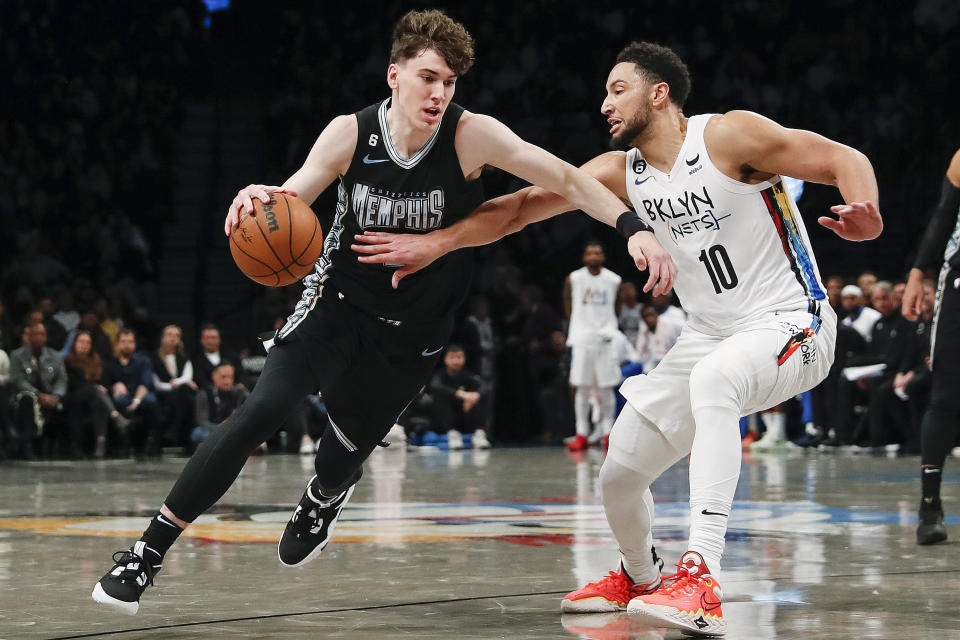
[[279, 244]]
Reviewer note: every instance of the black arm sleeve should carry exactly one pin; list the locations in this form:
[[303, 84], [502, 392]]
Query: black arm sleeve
[[942, 223]]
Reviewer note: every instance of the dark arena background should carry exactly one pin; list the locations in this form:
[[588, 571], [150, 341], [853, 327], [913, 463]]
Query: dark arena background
[[126, 129]]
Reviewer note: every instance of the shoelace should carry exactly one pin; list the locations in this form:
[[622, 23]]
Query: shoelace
[[127, 557], [679, 581], [616, 576]]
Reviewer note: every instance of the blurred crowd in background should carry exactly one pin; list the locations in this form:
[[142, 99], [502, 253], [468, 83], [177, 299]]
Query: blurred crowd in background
[[96, 102]]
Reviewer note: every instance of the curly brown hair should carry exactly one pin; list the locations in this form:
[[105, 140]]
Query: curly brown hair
[[433, 29]]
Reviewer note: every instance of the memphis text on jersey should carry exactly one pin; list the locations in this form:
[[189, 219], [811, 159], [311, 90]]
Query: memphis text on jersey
[[410, 211]]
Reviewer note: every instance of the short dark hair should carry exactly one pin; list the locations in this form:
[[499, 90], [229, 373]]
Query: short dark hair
[[454, 348], [658, 63], [594, 243], [433, 29], [127, 330], [207, 326]]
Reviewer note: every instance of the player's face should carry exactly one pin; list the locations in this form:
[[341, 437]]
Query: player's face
[[850, 302], [593, 257], [627, 105], [650, 317], [423, 87]]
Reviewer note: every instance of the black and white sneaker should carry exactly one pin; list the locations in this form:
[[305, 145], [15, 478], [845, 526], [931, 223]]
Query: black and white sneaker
[[122, 586], [311, 525]]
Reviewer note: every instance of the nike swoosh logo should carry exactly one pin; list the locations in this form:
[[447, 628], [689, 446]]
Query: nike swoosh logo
[[368, 160], [931, 471], [430, 353], [695, 160], [713, 513], [639, 181]]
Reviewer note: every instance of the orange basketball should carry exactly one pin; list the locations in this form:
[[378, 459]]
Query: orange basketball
[[279, 244]]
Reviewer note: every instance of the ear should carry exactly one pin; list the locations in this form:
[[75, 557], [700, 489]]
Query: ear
[[392, 71], [660, 95]]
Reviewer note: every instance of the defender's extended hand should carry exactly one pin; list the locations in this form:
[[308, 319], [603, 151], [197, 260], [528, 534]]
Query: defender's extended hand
[[412, 251], [857, 221], [647, 253]]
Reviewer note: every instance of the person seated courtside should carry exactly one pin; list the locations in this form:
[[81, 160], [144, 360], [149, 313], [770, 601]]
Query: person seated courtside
[[459, 400]]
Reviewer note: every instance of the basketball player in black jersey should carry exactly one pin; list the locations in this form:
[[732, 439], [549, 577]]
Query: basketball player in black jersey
[[408, 164], [941, 421]]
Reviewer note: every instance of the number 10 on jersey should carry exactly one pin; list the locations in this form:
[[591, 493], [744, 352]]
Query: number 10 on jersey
[[719, 268]]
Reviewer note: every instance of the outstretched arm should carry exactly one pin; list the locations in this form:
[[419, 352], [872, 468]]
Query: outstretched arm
[[742, 142], [934, 240], [508, 214]]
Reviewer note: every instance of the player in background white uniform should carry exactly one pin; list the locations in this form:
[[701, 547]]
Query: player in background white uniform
[[657, 335], [757, 332], [589, 300]]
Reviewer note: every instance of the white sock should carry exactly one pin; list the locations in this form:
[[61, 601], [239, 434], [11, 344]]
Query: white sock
[[581, 407], [714, 472], [628, 505]]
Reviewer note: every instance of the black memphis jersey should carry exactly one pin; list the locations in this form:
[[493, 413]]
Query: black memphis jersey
[[383, 192]]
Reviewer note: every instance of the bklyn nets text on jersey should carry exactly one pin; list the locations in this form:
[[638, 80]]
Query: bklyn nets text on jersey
[[413, 211], [688, 207]]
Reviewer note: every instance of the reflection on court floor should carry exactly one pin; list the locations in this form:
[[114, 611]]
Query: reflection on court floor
[[438, 544]]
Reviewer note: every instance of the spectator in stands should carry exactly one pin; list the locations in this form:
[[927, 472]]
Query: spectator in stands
[[834, 286], [39, 382], [4, 401], [217, 402], [102, 345], [56, 332], [665, 307], [628, 311], [7, 330], [173, 383], [656, 335], [210, 357], [898, 289], [459, 400], [129, 377], [886, 346], [87, 398], [856, 314], [479, 343], [110, 320], [865, 281]]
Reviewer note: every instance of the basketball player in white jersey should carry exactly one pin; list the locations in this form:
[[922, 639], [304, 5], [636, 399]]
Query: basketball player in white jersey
[[589, 299], [757, 331]]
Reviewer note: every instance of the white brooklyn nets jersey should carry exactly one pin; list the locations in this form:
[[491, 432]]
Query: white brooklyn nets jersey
[[592, 313], [742, 250]]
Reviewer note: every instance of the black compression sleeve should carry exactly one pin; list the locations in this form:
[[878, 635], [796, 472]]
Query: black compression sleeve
[[942, 223]]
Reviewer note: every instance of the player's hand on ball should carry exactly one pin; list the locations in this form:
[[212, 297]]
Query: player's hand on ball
[[855, 221], [244, 202], [648, 254], [413, 252]]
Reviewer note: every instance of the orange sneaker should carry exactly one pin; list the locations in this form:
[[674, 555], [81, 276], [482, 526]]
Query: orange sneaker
[[689, 600], [578, 444], [610, 594], [749, 439]]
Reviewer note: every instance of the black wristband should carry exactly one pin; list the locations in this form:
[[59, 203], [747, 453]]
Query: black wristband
[[629, 223]]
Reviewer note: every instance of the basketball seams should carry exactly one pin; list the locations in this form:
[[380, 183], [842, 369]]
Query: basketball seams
[[272, 250], [256, 278], [316, 225]]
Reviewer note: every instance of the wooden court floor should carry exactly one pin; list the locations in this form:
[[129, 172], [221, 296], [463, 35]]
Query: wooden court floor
[[439, 544]]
